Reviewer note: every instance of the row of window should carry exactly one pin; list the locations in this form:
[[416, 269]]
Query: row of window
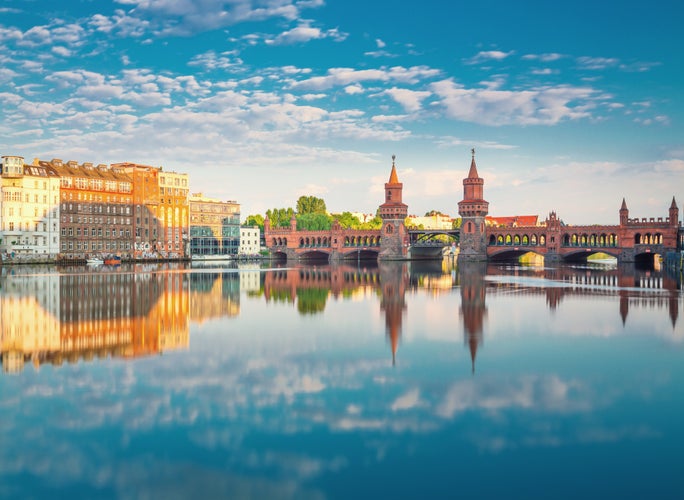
[[96, 245], [96, 232], [96, 208], [96, 184]]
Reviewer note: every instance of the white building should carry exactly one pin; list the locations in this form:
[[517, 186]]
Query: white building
[[249, 241], [29, 211]]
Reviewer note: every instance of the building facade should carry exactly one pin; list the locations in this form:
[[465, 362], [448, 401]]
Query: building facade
[[250, 241], [214, 226], [173, 214], [29, 209], [95, 209]]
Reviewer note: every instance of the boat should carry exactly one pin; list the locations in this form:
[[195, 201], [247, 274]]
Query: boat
[[94, 261], [210, 257], [113, 260]]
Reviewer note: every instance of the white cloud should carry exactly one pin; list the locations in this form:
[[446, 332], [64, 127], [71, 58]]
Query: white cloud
[[303, 34], [407, 401], [549, 57], [171, 17], [488, 55], [313, 97], [346, 76], [410, 100], [537, 106], [597, 63], [353, 89], [61, 51], [211, 61], [7, 74]]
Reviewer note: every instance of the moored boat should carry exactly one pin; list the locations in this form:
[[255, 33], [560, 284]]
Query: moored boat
[[210, 257], [112, 260]]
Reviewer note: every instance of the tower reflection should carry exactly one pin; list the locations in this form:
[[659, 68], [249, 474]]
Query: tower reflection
[[393, 281], [473, 309]]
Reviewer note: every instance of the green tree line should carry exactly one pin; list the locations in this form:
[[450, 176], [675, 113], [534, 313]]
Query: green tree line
[[311, 215]]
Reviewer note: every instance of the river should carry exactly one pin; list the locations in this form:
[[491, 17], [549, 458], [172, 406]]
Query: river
[[397, 380]]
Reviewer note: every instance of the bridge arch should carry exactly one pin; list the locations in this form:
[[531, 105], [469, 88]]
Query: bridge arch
[[511, 254], [360, 254], [314, 255], [581, 255]]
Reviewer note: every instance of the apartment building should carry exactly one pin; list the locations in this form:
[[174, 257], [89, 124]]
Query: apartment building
[[174, 216], [95, 209], [160, 206], [29, 208]]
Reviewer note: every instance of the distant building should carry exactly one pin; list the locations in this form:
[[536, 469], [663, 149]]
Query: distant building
[[513, 221], [29, 208], [363, 217], [214, 226], [437, 221], [250, 241]]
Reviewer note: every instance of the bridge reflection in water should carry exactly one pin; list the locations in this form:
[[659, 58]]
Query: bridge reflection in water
[[77, 314], [310, 287]]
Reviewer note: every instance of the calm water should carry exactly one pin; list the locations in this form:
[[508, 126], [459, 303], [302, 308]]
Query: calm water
[[394, 381]]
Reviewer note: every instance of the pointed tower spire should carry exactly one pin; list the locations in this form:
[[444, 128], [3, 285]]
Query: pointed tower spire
[[472, 173], [393, 179], [624, 213], [674, 213]]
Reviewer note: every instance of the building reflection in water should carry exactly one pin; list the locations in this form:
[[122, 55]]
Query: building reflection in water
[[214, 294], [633, 286], [82, 314]]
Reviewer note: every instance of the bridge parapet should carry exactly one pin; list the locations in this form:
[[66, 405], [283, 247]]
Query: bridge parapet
[[651, 221]]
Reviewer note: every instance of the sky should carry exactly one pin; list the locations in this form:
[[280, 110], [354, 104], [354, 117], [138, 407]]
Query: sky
[[570, 106]]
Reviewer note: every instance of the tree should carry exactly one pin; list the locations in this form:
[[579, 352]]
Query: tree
[[314, 222], [280, 217], [347, 220], [456, 224], [311, 205], [255, 220], [374, 223], [433, 212]]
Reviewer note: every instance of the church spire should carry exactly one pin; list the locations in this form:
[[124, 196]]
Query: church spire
[[624, 204]]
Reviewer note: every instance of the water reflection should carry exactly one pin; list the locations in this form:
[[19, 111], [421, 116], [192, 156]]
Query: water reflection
[[315, 381], [76, 314]]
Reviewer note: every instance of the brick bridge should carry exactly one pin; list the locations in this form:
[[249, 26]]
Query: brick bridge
[[631, 240]]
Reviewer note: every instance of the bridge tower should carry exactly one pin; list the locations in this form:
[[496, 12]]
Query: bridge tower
[[624, 213], [394, 237], [674, 213], [473, 210]]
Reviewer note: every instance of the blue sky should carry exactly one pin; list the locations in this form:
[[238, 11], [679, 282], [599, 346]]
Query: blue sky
[[571, 106]]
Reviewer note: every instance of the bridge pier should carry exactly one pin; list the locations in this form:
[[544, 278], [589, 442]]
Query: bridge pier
[[552, 258], [627, 255]]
